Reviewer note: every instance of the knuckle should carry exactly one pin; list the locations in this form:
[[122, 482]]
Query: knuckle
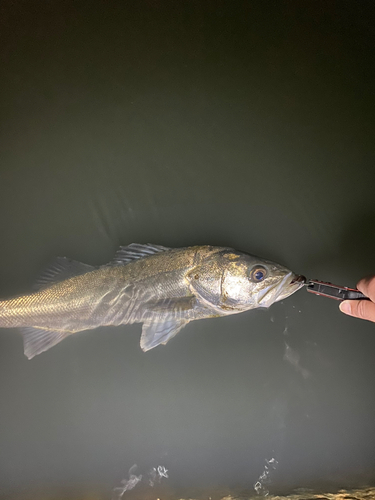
[[367, 286], [371, 288]]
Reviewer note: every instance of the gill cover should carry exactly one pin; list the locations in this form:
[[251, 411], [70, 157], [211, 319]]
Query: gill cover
[[206, 280]]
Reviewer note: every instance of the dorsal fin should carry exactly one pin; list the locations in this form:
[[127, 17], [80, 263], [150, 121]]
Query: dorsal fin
[[61, 269], [136, 251]]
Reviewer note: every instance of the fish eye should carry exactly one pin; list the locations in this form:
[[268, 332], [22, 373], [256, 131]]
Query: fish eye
[[257, 274]]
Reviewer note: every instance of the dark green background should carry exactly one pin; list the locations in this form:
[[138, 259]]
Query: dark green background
[[245, 124]]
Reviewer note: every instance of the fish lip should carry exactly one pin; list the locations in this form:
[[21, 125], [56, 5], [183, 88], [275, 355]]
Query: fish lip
[[287, 286], [279, 288], [299, 278]]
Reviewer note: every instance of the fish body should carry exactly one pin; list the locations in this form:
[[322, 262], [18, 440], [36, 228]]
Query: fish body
[[162, 288]]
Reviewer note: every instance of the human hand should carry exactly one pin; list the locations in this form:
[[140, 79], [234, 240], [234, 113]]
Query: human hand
[[364, 309]]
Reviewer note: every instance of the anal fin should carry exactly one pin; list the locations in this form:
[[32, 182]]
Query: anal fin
[[37, 340]]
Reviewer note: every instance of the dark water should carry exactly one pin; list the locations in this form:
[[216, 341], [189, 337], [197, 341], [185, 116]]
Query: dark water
[[246, 124]]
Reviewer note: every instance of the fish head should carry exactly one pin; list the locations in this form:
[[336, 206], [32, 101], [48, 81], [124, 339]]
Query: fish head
[[229, 281], [249, 282]]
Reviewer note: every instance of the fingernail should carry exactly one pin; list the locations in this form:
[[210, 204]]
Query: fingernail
[[345, 307]]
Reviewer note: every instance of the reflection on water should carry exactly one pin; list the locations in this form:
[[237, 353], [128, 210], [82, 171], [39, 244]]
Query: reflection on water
[[302, 494], [265, 478], [161, 492], [153, 477], [292, 356]]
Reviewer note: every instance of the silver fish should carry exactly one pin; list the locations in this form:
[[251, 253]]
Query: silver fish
[[162, 288]]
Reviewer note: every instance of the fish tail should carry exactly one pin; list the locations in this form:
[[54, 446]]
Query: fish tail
[[38, 340]]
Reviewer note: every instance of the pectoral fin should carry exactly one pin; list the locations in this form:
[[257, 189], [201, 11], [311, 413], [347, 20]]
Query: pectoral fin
[[180, 307], [156, 333]]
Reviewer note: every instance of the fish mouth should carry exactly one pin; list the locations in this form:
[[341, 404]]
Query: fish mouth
[[288, 285], [286, 289], [298, 279]]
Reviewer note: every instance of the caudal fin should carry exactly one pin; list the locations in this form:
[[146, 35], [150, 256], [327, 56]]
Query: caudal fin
[[37, 340]]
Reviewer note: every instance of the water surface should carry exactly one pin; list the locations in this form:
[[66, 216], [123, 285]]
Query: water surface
[[179, 124]]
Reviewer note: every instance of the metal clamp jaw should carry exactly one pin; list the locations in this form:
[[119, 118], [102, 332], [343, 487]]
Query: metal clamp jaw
[[327, 289]]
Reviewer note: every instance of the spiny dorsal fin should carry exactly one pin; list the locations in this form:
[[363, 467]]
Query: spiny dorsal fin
[[61, 269], [136, 251]]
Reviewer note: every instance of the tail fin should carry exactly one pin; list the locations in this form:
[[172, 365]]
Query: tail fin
[[37, 340]]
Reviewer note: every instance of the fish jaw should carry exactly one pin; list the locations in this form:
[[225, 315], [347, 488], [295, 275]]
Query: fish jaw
[[296, 283], [290, 284]]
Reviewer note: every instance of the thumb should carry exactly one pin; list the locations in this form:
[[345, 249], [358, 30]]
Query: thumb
[[364, 309]]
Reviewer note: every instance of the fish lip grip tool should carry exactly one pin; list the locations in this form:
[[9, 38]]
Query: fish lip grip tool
[[327, 289]]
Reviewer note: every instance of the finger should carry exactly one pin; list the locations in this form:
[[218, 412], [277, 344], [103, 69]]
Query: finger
[[364, 309], [367, 286]]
